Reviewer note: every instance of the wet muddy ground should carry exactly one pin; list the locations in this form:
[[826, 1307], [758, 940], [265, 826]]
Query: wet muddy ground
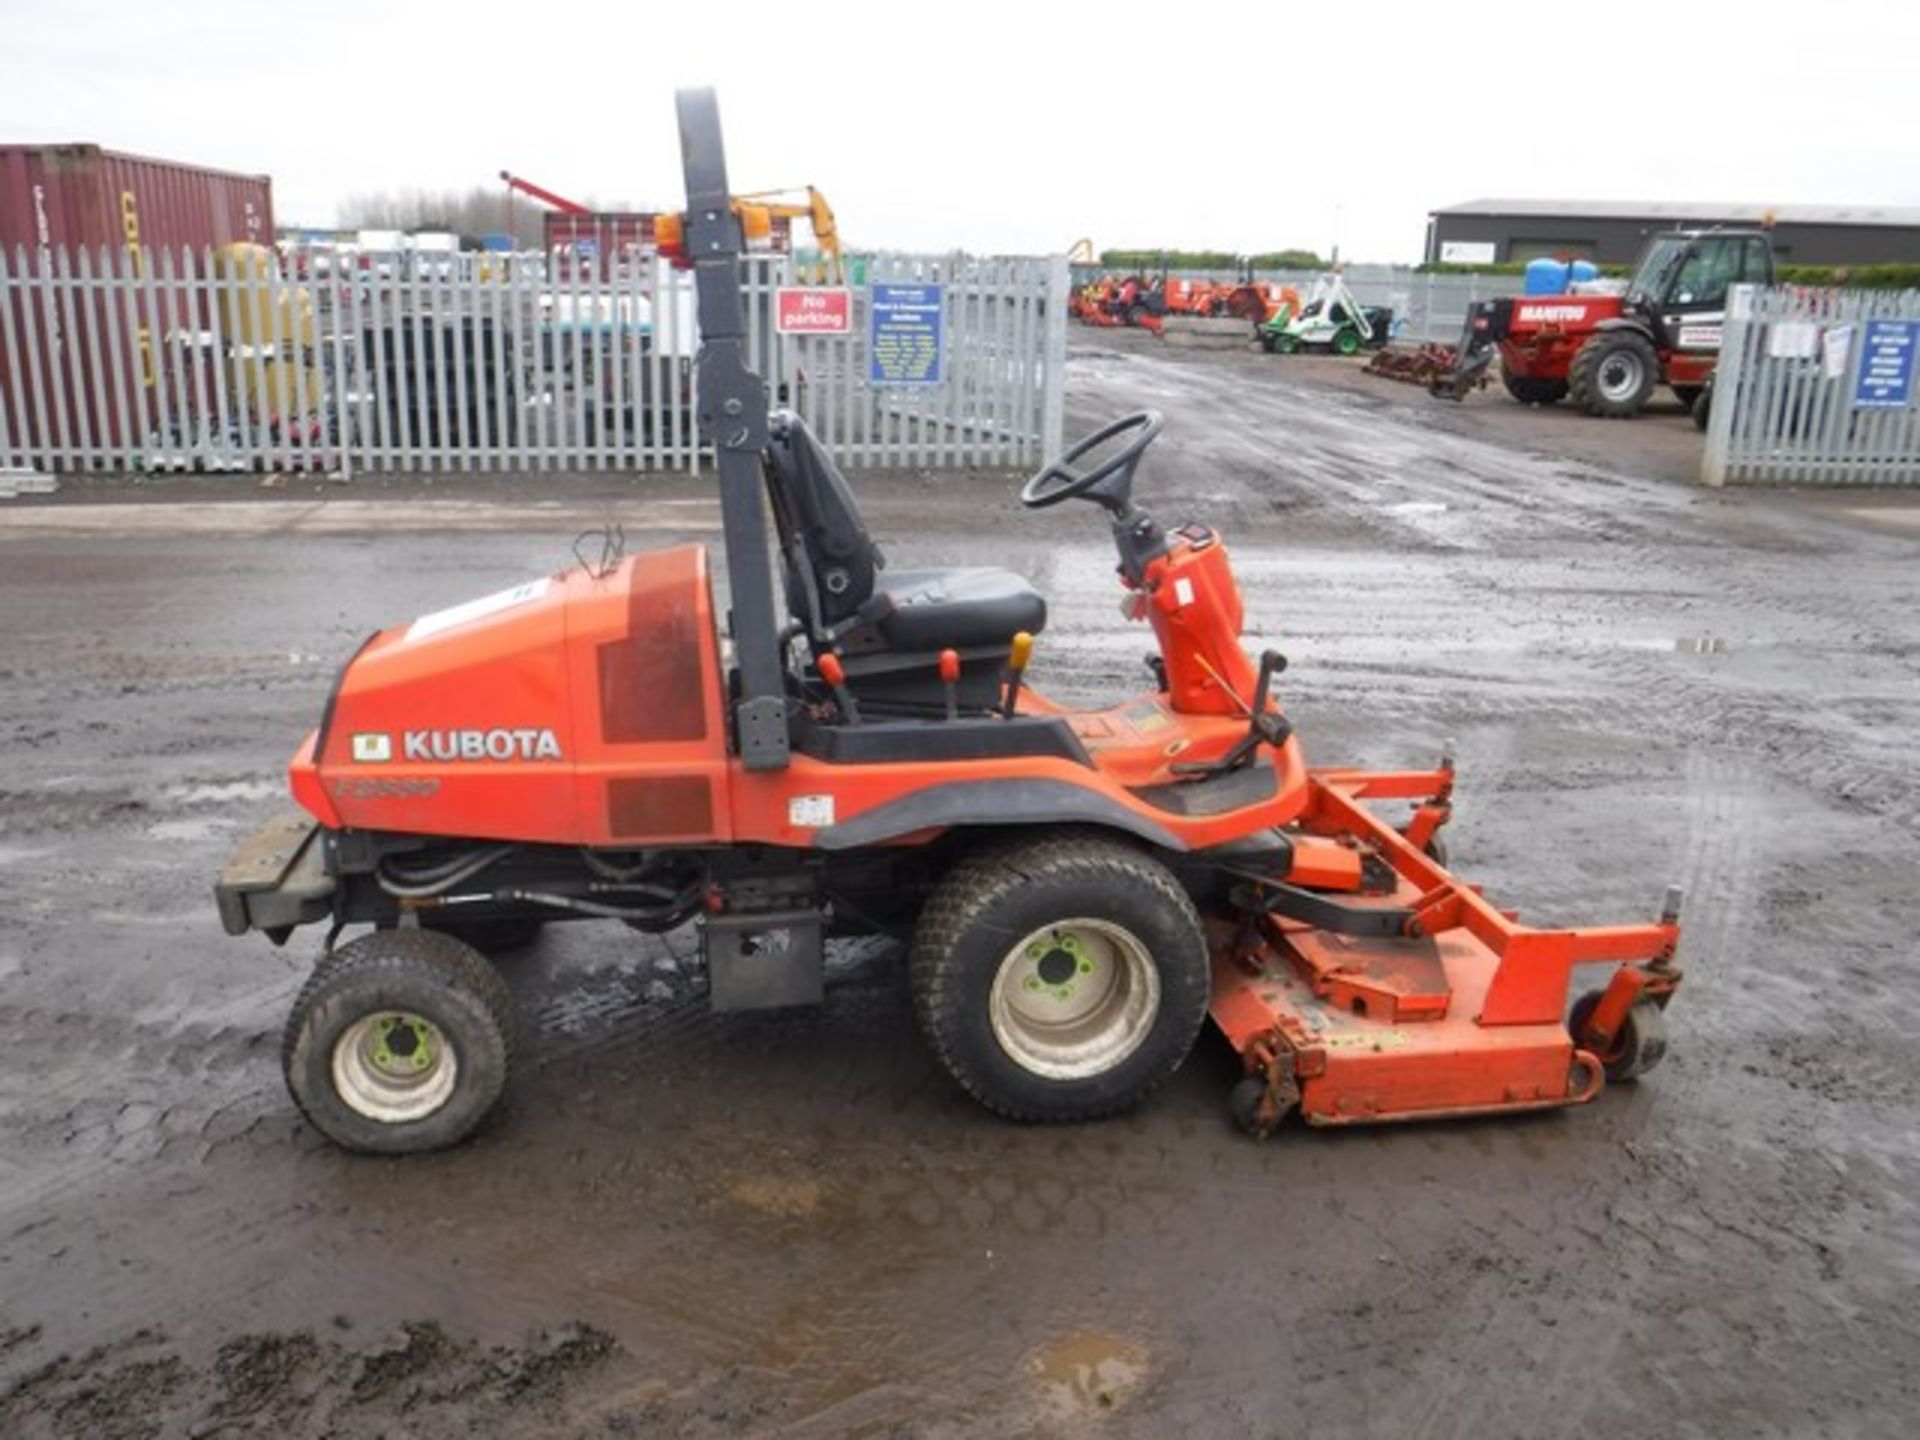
[[794, 1224]]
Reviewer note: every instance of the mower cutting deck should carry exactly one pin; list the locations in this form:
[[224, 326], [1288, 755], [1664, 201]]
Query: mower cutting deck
[[1080, 888]]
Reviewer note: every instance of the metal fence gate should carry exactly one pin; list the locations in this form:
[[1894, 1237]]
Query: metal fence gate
[[164, 360], [1815, 387]]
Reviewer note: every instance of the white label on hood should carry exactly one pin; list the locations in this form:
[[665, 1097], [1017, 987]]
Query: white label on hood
[[475, 609]]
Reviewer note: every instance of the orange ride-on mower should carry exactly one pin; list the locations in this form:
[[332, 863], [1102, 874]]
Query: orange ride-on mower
[[1081, 888]]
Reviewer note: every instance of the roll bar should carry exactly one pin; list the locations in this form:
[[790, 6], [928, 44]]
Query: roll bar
[[733, 416]]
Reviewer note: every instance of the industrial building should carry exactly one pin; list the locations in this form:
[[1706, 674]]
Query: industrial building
[[1612, 232]]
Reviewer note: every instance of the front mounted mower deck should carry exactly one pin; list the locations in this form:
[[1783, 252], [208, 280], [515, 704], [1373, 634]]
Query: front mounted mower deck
[[1081, 888]]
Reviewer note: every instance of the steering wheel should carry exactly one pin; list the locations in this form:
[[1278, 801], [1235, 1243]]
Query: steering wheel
[[1060, 481]]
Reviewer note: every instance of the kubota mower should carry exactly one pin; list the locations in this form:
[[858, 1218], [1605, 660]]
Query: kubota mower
[[858, 751]]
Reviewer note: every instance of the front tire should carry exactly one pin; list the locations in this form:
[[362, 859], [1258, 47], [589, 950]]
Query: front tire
[[400, 1042], [1532, 390], [1613, 374], [1060, 978]]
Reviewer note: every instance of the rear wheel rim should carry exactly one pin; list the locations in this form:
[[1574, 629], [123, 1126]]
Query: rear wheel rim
[[1074, 999], [1620, 375], [394, 1066]]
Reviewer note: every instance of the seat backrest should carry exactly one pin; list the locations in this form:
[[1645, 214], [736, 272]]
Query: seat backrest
[[829, 558]]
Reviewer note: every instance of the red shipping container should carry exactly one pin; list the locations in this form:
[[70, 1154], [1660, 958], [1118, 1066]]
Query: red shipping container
[[70, 196], [60, 200]]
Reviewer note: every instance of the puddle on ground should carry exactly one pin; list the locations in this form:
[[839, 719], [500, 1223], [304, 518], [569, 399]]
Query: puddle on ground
[[204, 829], [786, 1199], [1088, 1373], [233, 790], [1417, 507], [1668, 644], [1701, 645]]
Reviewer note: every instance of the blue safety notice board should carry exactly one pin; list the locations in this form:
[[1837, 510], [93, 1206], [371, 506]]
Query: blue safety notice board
[[905, 335], [1886, 366]]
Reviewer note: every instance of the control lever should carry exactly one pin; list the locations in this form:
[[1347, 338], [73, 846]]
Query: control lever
[[835, 674], [1017, 658], [1264, 726], [950, 681]]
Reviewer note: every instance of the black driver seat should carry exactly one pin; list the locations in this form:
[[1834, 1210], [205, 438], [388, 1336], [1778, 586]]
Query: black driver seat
[[837, 584]]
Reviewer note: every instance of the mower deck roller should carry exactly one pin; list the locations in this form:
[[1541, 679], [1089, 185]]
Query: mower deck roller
[[1080, 888]]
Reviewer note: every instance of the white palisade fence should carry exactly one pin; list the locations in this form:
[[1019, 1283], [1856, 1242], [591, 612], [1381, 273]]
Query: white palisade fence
[[1813, 388], [175, 360]]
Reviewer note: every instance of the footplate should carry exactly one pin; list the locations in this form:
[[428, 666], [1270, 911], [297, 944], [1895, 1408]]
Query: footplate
[[276, 880]]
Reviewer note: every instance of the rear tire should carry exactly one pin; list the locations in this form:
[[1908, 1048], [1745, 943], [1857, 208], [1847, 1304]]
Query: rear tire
[[1613, 374], [400, 1042], [1060, 978], [1686, 395], [1347, 342], [1703, 406], [1532, 390], [1641, 1043]]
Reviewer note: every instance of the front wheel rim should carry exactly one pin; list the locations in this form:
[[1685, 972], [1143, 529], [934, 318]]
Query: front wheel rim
[[1620, 376], [394, 1067], [1072, 1000]]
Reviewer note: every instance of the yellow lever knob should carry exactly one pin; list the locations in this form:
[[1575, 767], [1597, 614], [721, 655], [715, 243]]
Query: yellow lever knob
[[1021, 653]]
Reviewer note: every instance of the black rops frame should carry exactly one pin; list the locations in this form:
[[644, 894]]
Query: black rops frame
[[733, 415]]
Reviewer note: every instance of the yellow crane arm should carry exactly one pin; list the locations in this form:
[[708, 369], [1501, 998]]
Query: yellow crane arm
[[757, 213]]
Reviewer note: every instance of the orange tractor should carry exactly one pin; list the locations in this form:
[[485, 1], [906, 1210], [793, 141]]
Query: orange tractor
[[843, 748], [1121, 300], [1145, 304]]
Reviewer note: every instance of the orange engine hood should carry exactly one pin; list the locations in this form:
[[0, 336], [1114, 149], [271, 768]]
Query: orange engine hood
[[507, 716]]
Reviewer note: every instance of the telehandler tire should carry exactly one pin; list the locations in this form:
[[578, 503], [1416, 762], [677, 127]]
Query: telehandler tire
[[1613, 374], [1532, 390], [401, 1041], [1060, 977]]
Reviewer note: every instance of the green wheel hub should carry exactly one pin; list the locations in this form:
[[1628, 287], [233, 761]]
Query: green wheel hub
[[1073, 999], [394, 1066]]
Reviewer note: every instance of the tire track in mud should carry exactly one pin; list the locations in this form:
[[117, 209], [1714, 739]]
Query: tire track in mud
[[107, 1092]]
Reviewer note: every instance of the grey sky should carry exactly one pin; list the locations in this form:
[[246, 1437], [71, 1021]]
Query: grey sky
[[1005, 127]]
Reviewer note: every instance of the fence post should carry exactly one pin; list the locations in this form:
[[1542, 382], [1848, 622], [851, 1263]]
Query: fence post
[[1728, 382], [1053, 404]]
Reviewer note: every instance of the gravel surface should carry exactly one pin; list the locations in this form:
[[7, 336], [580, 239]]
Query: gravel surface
[[793, 1223]]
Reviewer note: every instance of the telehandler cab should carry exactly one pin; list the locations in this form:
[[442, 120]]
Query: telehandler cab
[[1082, 888]]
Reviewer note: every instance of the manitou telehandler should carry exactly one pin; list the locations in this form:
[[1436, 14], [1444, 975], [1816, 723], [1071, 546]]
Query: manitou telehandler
[[1081, 888], [1608, 352]]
